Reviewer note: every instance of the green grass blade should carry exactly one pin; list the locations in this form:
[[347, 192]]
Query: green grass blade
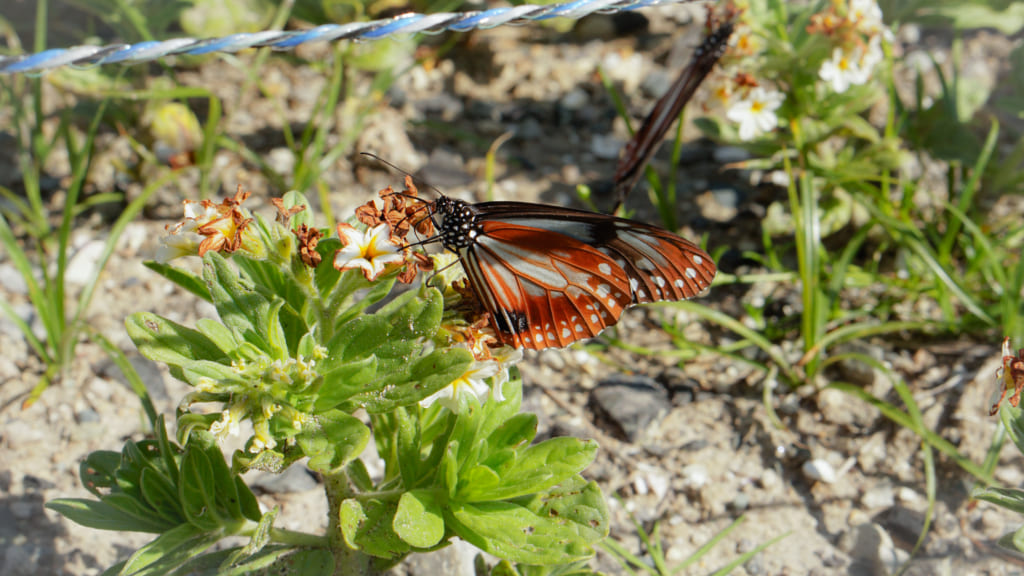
[[134, 381]]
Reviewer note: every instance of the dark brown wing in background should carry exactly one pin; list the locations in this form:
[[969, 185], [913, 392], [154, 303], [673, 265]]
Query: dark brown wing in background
[[645, 142]]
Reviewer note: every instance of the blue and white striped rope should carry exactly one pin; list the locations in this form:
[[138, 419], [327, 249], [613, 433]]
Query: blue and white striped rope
[[410, 23]]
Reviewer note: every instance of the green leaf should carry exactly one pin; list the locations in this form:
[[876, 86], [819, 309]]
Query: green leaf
[[1008, 498], [161, 495], [185, 279], [337, 439], [218, 333], [516, 432], [170, 550], [259, 539], [344, 381], [98, 470], [427, 375], [355, 340], [418, 519], [326, 275], [576, 501], [367, 526], [164, 341], [511, 531], [284, 560], [103, 516], [247, 500], [536, 469], [198, 488], [242, 309]]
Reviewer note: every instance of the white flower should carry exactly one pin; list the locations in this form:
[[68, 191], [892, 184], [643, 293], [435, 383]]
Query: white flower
[[371, 251], [872, 56], [867, 16], [844, 70], [756, 113], [228, 425], [506, 356], [472, 381]]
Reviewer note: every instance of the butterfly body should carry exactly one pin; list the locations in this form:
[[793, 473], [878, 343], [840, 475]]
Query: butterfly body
[[550, 276]]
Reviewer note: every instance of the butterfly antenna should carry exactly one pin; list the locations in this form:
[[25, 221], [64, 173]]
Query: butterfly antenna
[[418, 181]]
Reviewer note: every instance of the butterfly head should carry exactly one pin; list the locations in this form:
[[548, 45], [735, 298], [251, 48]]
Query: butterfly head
[[457, 227]]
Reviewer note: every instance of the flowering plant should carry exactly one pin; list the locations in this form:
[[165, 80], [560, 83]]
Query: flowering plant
[[795, 87], [297, 359]]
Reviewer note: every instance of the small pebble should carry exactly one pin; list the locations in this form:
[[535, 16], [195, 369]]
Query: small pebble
[[819, 470]]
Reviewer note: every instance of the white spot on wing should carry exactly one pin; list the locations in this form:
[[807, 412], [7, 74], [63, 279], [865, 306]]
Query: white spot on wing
[[697, 260], [641, 294], [566, 333], [603, 290], [604, 268], [691, 273], [551, 336], [578, 328], [679, 283], [593, 317], [660, 281]]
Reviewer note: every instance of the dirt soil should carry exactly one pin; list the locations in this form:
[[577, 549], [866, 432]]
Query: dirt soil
[[842, 485]]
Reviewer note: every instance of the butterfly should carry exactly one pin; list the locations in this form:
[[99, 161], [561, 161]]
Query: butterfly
[[549, 276]]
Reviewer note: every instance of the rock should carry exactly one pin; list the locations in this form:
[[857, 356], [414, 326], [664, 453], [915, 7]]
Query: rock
[[879, 496], [445, 169], [656, 84], [627, 405], [873, 552], [297, 478], [575, 100], [147, 370], [455, 560], [605, 146], [730, 154], [529, 129], [11, 281], [819, 470], [84, 265], [694, 477]]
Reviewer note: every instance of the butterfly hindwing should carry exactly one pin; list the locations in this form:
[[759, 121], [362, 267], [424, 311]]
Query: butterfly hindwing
[[548, 290]]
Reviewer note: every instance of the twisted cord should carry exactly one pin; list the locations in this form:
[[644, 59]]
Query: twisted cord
[[410, 23]]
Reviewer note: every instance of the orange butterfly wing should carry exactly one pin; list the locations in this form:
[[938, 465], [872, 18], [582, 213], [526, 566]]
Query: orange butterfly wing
[[544, 289]]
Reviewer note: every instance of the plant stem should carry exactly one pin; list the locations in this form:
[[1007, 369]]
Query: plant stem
[[346, 560]]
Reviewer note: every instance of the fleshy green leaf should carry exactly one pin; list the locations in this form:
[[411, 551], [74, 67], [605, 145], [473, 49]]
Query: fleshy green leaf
[[334, 442], [367, 526], [428, 375], [164, 341], [170, 550], [198, 488], [576, 501], [418, 519], [183, 278], [242, 309], [103, 516], [511, 531], [1005, 497], [344, 381], [536, 469]]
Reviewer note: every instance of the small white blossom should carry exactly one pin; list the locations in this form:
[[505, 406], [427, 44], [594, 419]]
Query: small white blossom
[[756, 113], [867, 16], [228, 425], [473, 381], [371, 251], [844, 70], [506, 356]]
